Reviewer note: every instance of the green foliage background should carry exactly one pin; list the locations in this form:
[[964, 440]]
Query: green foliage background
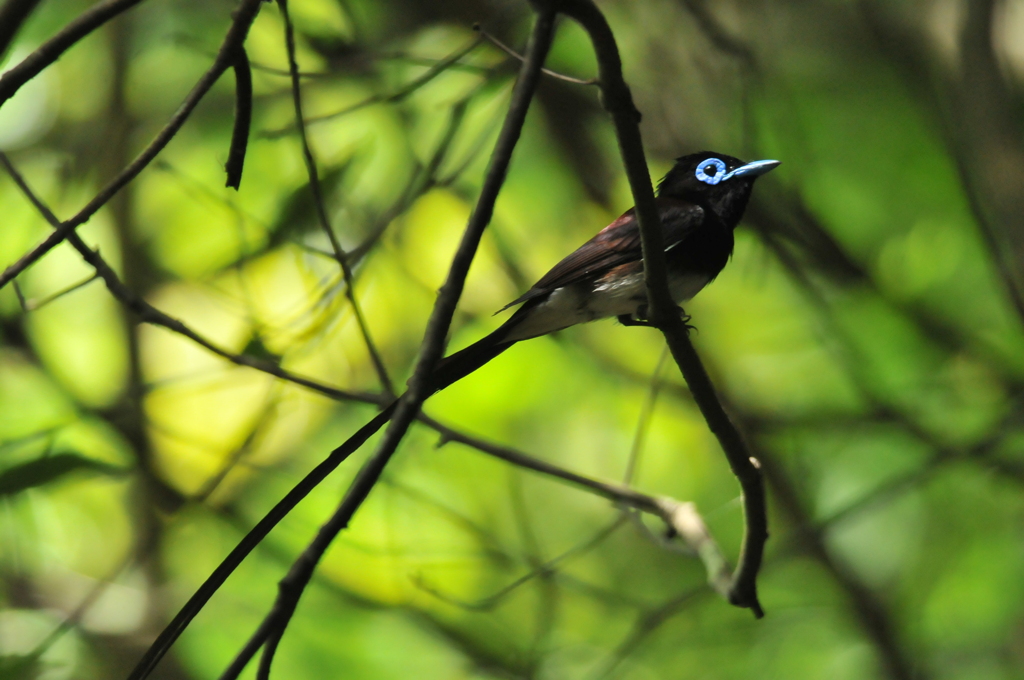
[[864, 336]]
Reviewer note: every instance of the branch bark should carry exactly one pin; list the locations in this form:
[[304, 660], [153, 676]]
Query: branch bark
[[32, 65], [663, 313], [12, 15], [225, 59], [406, 409]]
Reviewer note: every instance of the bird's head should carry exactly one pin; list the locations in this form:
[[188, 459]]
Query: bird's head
[[720, 182]]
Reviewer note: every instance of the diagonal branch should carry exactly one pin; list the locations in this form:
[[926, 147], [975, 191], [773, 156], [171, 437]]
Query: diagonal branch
[[147, 313], [664, 508], [12, 15], [52, 49], [398, 95], [294, 583], [515, 55], [226, 56], [869, 608], [321, 209]]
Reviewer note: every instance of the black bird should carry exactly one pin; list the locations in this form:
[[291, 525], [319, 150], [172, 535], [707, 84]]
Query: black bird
[[701, 200]]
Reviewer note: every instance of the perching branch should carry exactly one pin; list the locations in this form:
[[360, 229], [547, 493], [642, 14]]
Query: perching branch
[[150, 314], [663, 313], [681, 517]]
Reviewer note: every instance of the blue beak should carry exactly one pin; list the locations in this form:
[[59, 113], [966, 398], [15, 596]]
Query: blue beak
[[753, 169]]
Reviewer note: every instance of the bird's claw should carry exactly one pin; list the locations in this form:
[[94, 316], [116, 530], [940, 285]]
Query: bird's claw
[[632, 320], [638, 318]]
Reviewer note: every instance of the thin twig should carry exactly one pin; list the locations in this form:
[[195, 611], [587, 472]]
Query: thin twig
[[491, 601], [258, 430], [616, 492], [406, 408], [243, 118], [515, 55], [80, 610], [717, 35], [52, 49], [21, 296], [33, 305], [663, 313], [324, 75], [147, 313], [613, 491], [868, 607], [645, 624], [400, 94], [418, 185], [321, 209], [681, 517], [237, 32], [644, 421]]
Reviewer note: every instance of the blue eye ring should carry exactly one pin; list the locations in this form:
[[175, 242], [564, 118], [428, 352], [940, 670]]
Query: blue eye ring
[[714, 178]]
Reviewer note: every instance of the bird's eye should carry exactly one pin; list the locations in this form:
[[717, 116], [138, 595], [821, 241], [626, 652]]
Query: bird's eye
[[710, 171]]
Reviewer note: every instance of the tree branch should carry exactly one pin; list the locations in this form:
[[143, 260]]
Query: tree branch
[[515, 55], [868, 607], [32, 65], [243, 118], [321, 209], [226, 56], [663, 313], [147, 313], [12, 16], [406, 408], [681, 517]]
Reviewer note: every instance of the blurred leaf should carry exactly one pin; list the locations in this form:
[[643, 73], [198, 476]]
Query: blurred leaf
[[860, 334], [20, 667], [258, 350], [48, 469]]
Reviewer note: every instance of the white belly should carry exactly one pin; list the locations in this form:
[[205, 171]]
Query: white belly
[[570, 305]]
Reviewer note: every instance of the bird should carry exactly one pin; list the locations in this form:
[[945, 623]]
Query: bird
[[700, 201]]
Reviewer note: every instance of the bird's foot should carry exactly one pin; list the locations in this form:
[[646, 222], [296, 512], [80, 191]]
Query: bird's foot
[[633, 320], [685, 318], [638, 318]]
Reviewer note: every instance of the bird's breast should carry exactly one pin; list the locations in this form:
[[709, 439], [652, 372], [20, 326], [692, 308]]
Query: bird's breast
[[620, 291], [580, 303], [623, 295]]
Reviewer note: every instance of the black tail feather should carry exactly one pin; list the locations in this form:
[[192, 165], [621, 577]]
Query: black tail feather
[[455, 367], [448, 371]]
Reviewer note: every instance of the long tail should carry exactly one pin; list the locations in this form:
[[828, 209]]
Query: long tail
[[455, 367], [448, 371]]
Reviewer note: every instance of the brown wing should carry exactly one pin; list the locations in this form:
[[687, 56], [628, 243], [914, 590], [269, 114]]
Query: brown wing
[[615, 245]]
